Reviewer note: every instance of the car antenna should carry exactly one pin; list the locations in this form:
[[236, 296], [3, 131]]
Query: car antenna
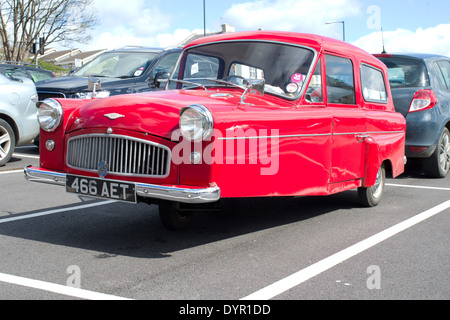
[[382, 40]]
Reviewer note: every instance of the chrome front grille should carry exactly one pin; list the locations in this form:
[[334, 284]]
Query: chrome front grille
[[42, 95], [124, 155]]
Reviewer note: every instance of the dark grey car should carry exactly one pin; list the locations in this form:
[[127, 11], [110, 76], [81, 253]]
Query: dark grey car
[[120, 71], [420, 85]]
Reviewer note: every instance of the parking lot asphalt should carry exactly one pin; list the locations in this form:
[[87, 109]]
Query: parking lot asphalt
[[61, 246]]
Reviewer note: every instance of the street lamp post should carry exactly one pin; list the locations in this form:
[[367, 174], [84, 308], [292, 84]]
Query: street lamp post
[[204, 18], [343, 27]]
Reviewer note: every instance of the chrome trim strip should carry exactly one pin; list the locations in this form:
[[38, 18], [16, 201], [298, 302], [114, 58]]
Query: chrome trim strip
[[362, 133], [281, 136], [185, 195], [310, 135]]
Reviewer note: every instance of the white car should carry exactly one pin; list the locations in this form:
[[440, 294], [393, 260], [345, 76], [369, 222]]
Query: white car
[[18, 115]]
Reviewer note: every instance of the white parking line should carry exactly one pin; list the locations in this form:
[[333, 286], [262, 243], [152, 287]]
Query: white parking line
[[418, 187], [51, 287], [57, 288], [45, 213], [303, 275], [23, 155]]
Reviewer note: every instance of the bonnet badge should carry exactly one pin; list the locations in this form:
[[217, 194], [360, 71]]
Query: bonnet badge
[[114, 116], [102, 169]]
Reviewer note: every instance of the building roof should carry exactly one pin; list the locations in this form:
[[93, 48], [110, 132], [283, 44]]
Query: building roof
[[194, 36], [83, 56], [59, 55]]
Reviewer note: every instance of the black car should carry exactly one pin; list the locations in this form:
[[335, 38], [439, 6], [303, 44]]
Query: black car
[[120, 71], [420, 85], [19, 69]]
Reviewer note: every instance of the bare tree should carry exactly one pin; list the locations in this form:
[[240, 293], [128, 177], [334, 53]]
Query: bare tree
[[24, 22]]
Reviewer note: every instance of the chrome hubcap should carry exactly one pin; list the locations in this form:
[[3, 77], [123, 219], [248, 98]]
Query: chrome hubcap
[[377, 188], [5, 143], [444, 153]]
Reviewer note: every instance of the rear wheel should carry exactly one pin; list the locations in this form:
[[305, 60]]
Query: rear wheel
[[438, 165], [173, 218], [370, 197], [7, 142]]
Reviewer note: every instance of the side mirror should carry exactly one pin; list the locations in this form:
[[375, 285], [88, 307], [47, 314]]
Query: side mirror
[[254, 85], [161, 79], [94, 84], [257, 85]]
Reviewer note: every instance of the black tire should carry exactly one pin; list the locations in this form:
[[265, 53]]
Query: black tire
[[370, 197], [7, 142], [173, 218], [438, 165]]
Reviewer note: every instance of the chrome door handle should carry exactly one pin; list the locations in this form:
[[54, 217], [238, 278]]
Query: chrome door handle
[[362, 137]]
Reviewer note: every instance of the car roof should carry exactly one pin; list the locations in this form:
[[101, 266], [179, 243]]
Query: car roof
[[23, 65], [142, 49], [314, 41], [419, 56]]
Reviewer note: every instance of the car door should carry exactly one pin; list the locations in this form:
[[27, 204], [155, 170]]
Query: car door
[[349, 121]]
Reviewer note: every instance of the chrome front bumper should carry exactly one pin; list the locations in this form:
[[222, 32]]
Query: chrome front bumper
[[170, 193]]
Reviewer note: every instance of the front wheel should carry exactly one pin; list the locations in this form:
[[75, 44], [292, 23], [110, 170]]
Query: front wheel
[[7, 142], [173, 218], [370, 197]]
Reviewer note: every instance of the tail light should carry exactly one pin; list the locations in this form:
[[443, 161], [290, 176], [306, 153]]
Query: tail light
[[422, 100]]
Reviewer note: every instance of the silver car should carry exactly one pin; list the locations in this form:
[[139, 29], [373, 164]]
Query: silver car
[[18, 115]]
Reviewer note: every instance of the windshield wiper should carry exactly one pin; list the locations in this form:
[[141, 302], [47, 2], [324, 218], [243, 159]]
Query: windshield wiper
[[190, 83], [95, 76]]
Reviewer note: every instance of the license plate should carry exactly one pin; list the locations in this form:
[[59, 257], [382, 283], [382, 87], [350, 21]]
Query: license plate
[[109, 189]]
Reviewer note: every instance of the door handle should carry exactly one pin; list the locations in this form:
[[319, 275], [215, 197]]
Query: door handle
[[362, 137]]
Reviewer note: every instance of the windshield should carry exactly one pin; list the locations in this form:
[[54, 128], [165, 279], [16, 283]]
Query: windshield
[[117, 65], [405, 72], [284, 68]]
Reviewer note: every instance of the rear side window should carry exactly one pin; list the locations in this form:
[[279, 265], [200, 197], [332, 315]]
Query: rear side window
[[444, 73], [372, 84], [406, 72], [340, 84]]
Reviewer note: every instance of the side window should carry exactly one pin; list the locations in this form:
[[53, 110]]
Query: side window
[[340, 83], [16, 72], [39, 75], [444, 68], [373, 84], [166, 64], [314, 91], [201, 67]]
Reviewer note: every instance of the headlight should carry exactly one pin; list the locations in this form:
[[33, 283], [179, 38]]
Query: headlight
[[50, 114], [196, 123], [90, 95]]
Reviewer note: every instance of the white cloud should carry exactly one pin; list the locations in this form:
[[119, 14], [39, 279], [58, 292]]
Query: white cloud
[[141, 24], [430, 40], [125, 22], [292, 15]]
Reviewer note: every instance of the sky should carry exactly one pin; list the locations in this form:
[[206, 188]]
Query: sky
[[408, 25]]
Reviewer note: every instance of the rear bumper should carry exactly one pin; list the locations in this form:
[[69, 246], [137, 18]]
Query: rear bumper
[[170, 193]]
